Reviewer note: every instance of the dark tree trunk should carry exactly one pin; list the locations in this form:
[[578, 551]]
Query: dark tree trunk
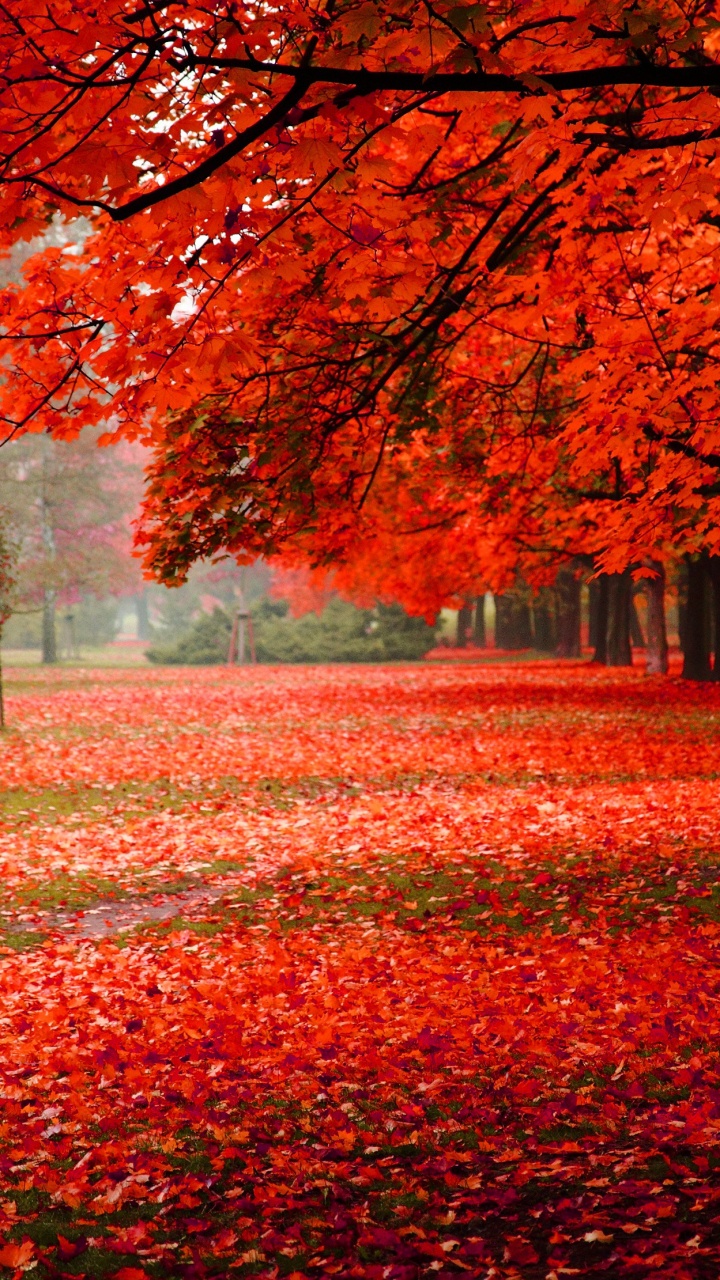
[[619, 653], [636, 636], [479, 636], [696, 629], [714, 572], [513, 629], [657, 645], [523, 626], [503, 612], [600, 617], [568, 613], [143, 617], [49, 638], [682, 587], [464, 625], [545, 633]]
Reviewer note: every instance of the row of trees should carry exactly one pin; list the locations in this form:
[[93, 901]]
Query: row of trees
[[426, 291], [550, 619]]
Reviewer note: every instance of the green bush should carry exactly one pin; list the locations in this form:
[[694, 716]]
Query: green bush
[[342, 633], [404, 638], [206, 643]]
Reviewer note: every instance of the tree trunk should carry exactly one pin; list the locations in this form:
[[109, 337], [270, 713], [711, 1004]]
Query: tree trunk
[[568, 613], [49, 638], [464, 625], [593, 602], [143, 617], [502, 622], [599, 617], [657, 645], [544, 630], [513, 629], [619, 653], [479, 636], [696, 640], [636, 636], [714, 573], [682, 609], [523, 626]]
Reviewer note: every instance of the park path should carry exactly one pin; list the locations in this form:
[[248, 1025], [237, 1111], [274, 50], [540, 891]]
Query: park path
[[107, 918]]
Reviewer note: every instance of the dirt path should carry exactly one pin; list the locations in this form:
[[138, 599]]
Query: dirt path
[[106, 918]]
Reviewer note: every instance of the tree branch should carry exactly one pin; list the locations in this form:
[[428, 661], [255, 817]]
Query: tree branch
[[629, 142], [682, 447], [194, 176], [202, 171], [474, 81], [362, 82]]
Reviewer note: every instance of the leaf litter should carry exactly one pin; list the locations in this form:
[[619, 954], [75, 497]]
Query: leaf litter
[[388, 1028]]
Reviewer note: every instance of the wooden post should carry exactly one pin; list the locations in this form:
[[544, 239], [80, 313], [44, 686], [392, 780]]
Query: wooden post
[[232, 648], [242, 639]]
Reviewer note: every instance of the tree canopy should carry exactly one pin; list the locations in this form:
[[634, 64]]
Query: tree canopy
[[463, 251]]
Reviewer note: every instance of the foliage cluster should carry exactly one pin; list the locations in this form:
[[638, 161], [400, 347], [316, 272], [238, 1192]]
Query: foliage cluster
[[413, 287]]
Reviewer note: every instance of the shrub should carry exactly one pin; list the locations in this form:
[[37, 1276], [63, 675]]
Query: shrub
[[342, 633], [404, 638], [206, 643]]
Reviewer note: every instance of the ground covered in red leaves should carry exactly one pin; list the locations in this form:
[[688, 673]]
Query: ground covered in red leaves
[[383, 972]]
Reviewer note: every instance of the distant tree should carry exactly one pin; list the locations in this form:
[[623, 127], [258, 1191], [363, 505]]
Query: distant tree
[[67, 507], [7, 588]]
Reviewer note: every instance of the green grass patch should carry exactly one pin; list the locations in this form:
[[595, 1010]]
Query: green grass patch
[[21, 939]]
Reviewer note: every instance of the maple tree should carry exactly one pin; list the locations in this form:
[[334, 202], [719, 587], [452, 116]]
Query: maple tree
[[442, 995], [334, 230]]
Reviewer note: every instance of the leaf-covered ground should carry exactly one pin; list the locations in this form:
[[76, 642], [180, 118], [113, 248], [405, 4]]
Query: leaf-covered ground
[[379, 973]]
